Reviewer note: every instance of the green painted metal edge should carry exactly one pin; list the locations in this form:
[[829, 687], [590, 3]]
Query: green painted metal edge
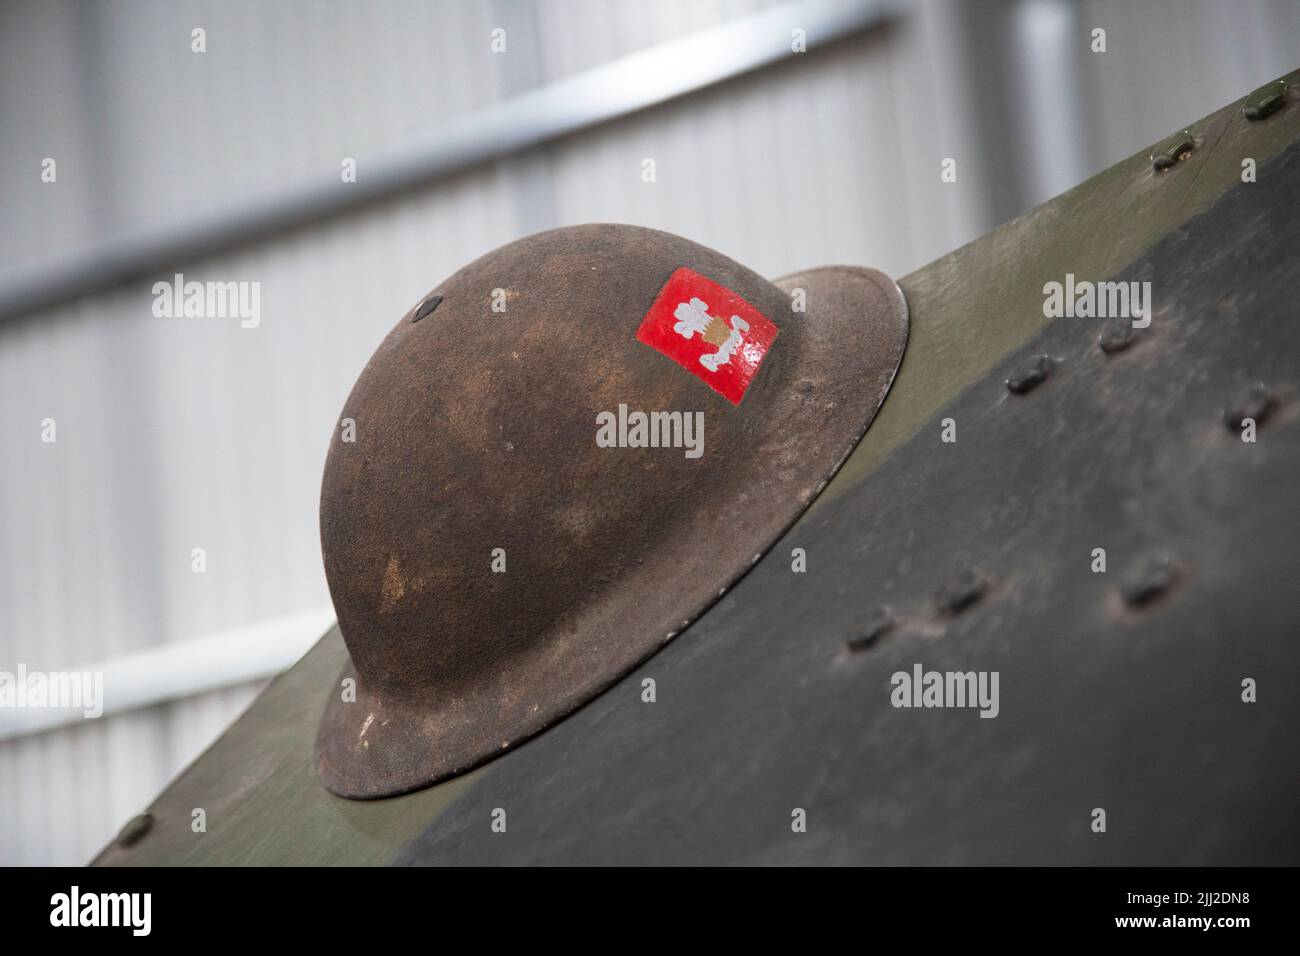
[[257, 785], [977, 304]]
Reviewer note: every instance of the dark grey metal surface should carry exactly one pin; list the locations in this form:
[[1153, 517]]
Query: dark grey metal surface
[[1118, 690]]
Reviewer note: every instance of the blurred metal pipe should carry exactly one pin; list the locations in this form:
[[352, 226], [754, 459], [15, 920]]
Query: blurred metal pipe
[[181, 669], [614, 89], [1046, 52]]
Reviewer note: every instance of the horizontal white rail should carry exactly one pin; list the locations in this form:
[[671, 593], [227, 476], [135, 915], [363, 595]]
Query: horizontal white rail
[[172, 671], [630, 83]]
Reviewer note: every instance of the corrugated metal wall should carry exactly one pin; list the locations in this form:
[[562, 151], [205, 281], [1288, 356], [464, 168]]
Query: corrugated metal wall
[[175, 435]]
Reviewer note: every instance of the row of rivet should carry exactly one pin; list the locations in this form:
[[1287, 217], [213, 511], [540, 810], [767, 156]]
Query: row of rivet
[[1259, 105]]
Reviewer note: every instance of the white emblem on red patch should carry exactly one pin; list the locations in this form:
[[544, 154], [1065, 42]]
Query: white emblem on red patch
[[710, 331]]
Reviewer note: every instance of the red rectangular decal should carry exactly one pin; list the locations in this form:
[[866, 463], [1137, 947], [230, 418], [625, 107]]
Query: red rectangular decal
[[708, 330]]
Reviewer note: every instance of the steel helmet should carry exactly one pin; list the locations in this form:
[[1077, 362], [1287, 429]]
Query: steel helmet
[[559, 458]]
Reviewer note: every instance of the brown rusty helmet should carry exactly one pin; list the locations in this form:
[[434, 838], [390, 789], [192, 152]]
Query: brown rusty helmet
[[561, 457]]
